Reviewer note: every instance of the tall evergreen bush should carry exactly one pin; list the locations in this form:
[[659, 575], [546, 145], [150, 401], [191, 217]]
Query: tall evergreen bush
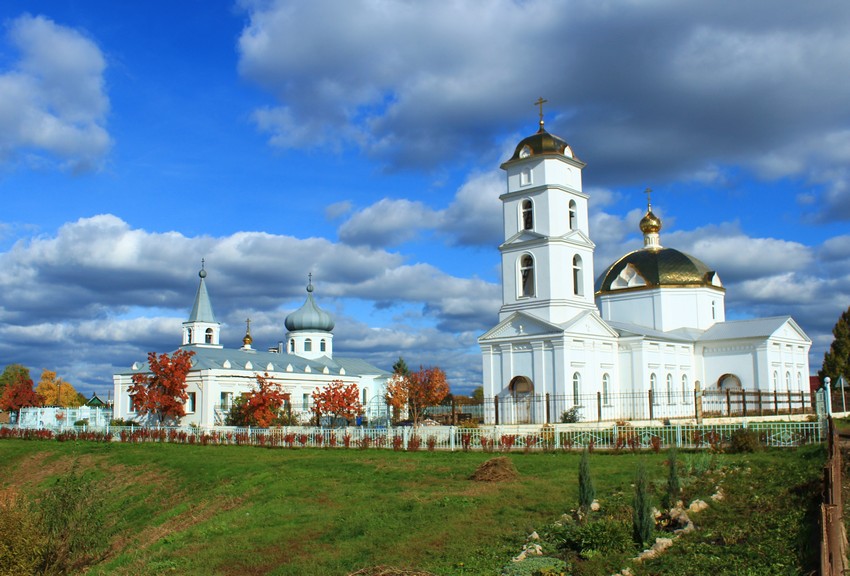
[[643, 524], [586, 492], [671, 495]]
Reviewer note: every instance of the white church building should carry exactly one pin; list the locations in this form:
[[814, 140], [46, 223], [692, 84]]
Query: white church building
[[303, 363], [654, 320]]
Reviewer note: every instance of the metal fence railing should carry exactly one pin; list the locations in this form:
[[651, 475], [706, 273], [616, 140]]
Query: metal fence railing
[[665, 405]]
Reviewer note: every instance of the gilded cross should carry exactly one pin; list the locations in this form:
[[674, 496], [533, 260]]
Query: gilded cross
[[540, 102], [648, 193]]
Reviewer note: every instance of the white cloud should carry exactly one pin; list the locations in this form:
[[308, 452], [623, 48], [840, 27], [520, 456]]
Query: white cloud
[[690, 92], [387, 223], [100, 291], [53, 101]]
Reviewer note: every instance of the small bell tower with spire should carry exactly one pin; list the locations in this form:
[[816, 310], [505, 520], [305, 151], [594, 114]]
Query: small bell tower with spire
[[202, 329]]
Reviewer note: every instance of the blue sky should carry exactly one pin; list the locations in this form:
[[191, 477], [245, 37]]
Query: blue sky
[[361, 140]]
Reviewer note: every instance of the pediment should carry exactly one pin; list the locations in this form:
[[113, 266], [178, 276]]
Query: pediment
[[522, 237], [521, 325], [577, 237], [790, 330], [589, 323]]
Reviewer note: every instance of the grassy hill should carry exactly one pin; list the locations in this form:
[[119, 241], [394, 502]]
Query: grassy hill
[[228, 510]]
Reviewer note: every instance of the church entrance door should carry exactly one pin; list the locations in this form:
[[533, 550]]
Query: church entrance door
[[522, 392]]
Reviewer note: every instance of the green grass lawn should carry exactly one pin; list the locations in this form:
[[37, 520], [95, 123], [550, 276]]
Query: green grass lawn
[[242, 510]]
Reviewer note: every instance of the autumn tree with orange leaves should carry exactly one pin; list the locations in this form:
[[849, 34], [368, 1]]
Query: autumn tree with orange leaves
[[260, 407], [417, 391], [19, 393], [161, 393], [338, 400], [54, 391]]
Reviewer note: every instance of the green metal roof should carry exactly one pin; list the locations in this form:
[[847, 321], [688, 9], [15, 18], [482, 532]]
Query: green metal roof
[[215, 358]]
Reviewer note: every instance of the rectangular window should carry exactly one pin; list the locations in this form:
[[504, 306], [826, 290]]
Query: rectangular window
[[132, 406], [190, 403], [525, 177], [305, 402]]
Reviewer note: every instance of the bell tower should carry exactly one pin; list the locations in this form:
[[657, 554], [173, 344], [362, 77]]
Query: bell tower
[[202, 329], [547, 254]]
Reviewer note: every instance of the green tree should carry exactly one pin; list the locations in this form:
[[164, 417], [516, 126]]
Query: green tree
[[836, 361], [586, 492], [478, 395], [400, 367]]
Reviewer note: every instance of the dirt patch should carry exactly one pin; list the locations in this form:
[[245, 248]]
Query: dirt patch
[[499, 469], [389, 571], [31, 472]]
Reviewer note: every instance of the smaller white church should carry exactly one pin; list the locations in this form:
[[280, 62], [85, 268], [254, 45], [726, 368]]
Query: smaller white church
[[655, 320], [303, 363]]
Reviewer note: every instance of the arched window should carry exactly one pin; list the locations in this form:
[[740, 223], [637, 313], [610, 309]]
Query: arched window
[[526, 275], [208, 336], [713, 310], [669, 388], [573, 215], [799, 382], [308, 345], [364, 397], [606, 384], [188, 335], [576, 388], [775, 380], [578, 276], [788, 381], [684, 388], [292, 345], [653, 386], [323, 346], [527, 215]]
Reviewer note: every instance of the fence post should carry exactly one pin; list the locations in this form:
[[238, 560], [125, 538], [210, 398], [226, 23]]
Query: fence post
[[744, 402], [496, 409], [454, 413], [790, 406], [776, 402], [548, 418], [698, 402], [452, 438], [599, 406], [651, 408], [405, 436], [761, 408], [728, 403]]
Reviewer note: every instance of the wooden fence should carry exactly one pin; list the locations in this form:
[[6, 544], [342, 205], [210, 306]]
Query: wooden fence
[[833, 547]]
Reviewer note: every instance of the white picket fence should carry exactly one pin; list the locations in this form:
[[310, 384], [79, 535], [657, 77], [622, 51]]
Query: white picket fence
[[451, 438]]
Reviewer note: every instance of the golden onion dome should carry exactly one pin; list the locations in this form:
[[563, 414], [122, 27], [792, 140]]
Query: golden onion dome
[[661, 268], [542, 143], [650, 223], [247, 340]]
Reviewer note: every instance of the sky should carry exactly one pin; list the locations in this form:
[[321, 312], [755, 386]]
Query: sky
[[360, 141]]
